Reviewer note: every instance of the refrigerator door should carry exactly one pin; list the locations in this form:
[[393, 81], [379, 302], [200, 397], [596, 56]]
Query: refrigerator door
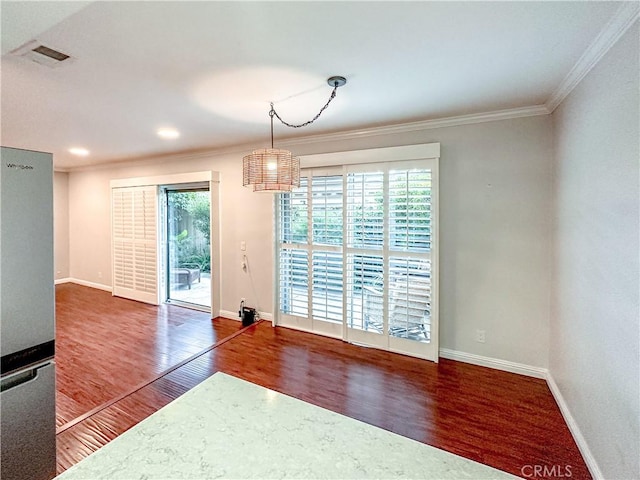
[[28, 424], [27, 299]]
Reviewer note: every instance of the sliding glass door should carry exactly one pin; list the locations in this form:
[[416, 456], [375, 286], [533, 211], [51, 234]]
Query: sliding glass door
[[356, 255], [388, 258], [188, 246], [310, 257]]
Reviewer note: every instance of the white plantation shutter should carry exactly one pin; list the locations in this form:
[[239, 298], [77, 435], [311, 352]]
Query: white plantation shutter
[[310, 259], [365, 200], [365, 237], [409, 295], [294, 281], [135, 243], [357, 249], [326, 256], [327, 286], [388, 253], [365, 287], [293, 256], [409, 298], [326, 202], [410, 210], [294, 220]]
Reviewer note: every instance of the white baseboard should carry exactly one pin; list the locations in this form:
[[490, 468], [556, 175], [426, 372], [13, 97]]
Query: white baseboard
[[536, 372], [592, 465], [498, 364], [84, 283], [234, 315], [230, 315]]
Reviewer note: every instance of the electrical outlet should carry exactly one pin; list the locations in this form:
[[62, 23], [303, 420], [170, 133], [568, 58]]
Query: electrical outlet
[[99, 274], [480, 336]]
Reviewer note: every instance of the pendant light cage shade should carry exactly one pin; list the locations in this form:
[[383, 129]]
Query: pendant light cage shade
[[274, 170], [271, 170]]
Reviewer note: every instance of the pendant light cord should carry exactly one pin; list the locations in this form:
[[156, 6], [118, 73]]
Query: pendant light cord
[[273, 113]]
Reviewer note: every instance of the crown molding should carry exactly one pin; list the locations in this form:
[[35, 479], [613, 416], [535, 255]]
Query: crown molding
[[422, 125], [473, 118], [619, 23]]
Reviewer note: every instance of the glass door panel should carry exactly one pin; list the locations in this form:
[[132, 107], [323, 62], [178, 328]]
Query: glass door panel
[[189, 247]]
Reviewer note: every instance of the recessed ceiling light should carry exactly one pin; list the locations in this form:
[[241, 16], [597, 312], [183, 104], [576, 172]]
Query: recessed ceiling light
[[169, 133], [81, 152]]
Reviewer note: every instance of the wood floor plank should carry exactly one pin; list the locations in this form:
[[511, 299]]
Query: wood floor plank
[[100, 337], [86, 437], [501, 419]]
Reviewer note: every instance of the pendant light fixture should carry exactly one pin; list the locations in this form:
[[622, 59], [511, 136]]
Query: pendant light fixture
[[275, 170]]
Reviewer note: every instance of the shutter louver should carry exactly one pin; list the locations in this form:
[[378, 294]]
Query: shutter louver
[[327, 210], [410, 210], [365, 210], [409, 298], [294, 278], [294, 221], [327, 286], [365, 288]]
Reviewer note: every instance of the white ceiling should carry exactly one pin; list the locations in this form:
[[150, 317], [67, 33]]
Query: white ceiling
[[210, 69]]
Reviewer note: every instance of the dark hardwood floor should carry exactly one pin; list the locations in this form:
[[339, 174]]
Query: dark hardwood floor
[[508, 421], [106, 346]]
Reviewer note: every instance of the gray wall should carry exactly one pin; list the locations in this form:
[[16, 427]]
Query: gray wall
[[495, 205], [595, 322], [495, 238], [61, 224]]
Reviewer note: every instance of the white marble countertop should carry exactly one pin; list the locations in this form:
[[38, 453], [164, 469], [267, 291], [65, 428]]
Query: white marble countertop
[[229, 428]]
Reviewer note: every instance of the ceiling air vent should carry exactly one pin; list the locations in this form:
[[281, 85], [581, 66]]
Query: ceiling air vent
[[39, 53]]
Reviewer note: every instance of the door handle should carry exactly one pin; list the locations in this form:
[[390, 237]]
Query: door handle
[[18, 379]]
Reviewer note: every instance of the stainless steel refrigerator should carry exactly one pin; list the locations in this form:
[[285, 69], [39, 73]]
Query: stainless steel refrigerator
[[27, 316]]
